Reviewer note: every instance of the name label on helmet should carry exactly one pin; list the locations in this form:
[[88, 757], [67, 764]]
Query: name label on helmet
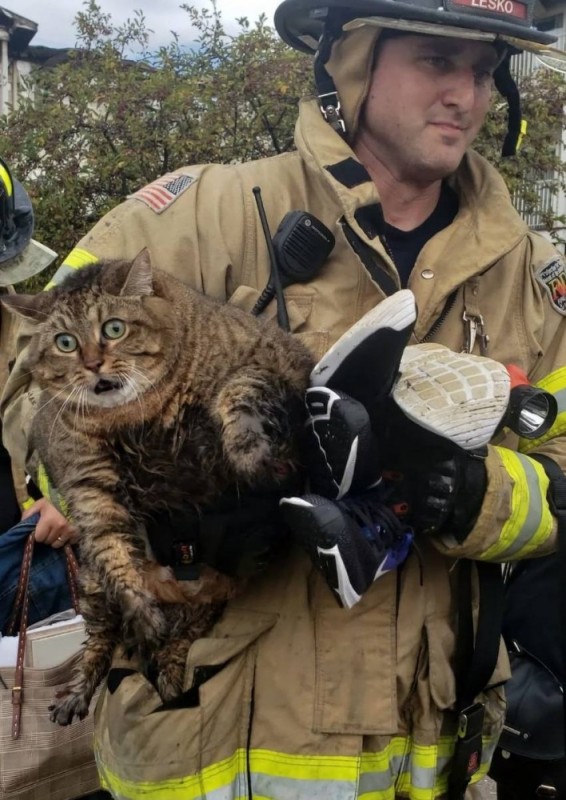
[[509, 8]]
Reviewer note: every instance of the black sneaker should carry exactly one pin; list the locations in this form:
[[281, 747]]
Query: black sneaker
[[348, 388], [352, 542], [364, 362], [341, 452]]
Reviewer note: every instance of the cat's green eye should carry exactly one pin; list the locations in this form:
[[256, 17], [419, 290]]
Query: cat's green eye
[[66, 342], [113, 329]]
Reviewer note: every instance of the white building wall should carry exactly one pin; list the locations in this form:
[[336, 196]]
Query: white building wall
[[551, 17]]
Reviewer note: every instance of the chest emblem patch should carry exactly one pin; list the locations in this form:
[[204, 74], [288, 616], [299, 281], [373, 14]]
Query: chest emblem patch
[[160, 194], [552, 276]]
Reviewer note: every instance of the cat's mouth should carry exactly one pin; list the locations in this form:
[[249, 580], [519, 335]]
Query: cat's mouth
[[103, 385]]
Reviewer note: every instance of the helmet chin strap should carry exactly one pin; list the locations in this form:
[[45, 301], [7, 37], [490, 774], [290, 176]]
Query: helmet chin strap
[[328, 99], [506, 86]]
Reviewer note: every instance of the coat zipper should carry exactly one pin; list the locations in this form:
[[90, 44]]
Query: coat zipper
[[440, 321]]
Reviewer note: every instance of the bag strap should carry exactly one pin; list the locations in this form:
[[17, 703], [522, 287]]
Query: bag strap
[[475, 662], [72, 568], [21, 610]]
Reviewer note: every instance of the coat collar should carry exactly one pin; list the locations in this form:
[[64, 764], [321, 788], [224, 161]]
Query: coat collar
[[486, 228], [487, 225]]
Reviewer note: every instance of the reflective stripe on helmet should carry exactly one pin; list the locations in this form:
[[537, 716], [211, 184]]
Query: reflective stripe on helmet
[[6, 178]]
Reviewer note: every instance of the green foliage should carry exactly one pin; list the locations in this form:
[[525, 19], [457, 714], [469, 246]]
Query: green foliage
[[114, 115], [537, 173]]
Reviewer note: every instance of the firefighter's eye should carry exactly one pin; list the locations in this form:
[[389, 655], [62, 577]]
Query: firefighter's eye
[[113, 329], [66, 342]]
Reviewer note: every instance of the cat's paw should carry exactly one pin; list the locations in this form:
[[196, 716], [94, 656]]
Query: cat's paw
[[67, 705], [256, 451], [170, 683]]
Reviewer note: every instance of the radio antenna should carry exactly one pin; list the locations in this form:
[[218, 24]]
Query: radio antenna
[[282, 316]]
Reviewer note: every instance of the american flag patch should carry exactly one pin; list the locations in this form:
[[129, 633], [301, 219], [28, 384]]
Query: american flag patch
[[165, 190]]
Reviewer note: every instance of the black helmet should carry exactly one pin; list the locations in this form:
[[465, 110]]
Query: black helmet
[[20, 256], [16, 215], [314, 27], [300, 23]]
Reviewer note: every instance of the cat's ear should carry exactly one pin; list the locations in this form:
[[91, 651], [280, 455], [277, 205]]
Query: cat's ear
[[34, 307], [139, 278]]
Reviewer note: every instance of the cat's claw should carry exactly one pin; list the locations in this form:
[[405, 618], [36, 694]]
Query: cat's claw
[[169, 684], [65, 708]]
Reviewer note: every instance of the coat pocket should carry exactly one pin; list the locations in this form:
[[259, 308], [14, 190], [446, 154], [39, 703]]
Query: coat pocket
[[139, 741], [298, 307], [355, 665]]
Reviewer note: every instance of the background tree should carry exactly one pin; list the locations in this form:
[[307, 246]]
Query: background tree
[[538, 172], [113, 114]]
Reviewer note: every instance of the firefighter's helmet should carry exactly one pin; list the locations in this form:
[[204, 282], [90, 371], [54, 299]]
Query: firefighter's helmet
[[343, 34], [20, 256]]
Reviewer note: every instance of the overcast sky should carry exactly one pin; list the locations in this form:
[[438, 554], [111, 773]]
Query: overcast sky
[[55, 17]]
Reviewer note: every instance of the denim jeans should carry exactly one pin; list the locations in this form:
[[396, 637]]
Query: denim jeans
[[48, 587]]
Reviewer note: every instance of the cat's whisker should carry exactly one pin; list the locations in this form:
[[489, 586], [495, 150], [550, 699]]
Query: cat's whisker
[[129, 381], [146, 381], [26, 374], [64, 404], [55, 396], [79, 408], [83, 405]]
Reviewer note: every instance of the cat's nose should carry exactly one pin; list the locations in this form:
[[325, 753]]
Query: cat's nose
[[93, 364]]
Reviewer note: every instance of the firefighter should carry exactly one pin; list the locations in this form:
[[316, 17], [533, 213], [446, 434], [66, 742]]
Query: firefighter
[[292, 696]]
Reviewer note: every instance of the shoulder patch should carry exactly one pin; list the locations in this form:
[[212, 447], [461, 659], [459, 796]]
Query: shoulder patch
[[552, 276], [163, 192]]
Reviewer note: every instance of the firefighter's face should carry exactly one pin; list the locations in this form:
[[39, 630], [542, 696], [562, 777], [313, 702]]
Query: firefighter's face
[[427, 101]]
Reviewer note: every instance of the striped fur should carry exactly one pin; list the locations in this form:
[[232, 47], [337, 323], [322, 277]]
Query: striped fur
[[192, 400]]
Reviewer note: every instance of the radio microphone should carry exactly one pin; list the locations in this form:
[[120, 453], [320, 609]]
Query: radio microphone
[[301, 245]]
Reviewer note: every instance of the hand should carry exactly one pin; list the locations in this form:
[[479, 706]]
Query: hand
[[52, 528], [445, 494], [442, 484]]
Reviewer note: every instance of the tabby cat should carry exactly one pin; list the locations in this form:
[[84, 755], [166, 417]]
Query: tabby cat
[[154, 397]]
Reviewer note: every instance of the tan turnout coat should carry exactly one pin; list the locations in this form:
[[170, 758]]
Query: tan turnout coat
[[314, 701]]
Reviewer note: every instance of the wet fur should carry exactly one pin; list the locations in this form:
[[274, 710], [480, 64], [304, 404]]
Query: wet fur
[[202, 406]]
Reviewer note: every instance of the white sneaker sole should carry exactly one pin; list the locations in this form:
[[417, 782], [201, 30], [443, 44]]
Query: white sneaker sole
[[458, 396], [397, 312]]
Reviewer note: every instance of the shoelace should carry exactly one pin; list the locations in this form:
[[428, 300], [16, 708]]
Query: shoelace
[[377, 520]]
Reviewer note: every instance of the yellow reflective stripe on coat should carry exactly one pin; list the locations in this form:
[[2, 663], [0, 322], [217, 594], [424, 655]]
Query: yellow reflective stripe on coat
[[48, 490], [76, 259], [555, 383], [530, 522], [418, 771]]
